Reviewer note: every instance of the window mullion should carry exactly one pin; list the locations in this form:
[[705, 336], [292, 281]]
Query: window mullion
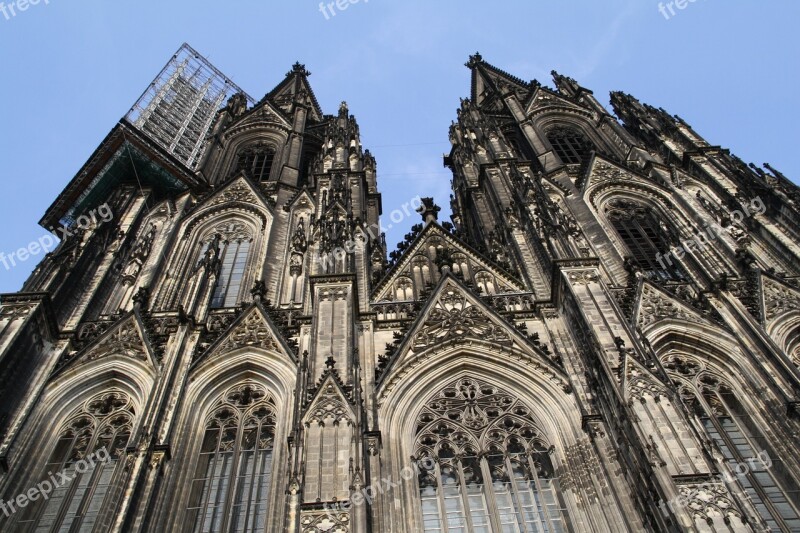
[[756, 484], [491, 498], [540, 499], [215, 459], [233, 477], [723, 434], [515, 496], [73, 487], [91, 487], [462, 489], [440, 495], [254, 475], [61, 467]]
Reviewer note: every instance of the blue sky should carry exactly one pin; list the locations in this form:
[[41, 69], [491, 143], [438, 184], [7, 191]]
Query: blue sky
[[71, 70]]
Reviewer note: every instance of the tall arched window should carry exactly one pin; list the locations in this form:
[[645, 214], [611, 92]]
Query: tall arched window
[[569, 143], [645, 239], [230, 489], [773, 491], [256, 161], [83, 462], [484, 464], [230, 244]]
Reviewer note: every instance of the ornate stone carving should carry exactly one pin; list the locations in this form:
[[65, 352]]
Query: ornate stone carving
[[325, 521], [453, 317], [778, 299], [474, 416], [655, 306], [583, 277], [15, 311], [710, 502], [298, 249], [238, 191], [159, 330], [329, 405], [252, 331], [124, 340], [641, 385]]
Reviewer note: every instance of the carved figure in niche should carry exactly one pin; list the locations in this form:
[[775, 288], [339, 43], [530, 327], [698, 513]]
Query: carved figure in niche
[[299, 244], [210, 259]]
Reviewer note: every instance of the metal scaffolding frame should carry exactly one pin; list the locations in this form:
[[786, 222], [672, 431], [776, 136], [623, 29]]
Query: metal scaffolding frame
[[177, 110]]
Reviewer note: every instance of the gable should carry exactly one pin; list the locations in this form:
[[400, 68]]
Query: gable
[[263, 114], [238, 190], [454, 314], [544, 100], [295, 88], [489, 83], [430, 237], [125, 339], [655, 305], [778, 299], [329, 400], [252, 329]]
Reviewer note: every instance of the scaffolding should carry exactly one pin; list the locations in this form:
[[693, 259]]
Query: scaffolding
[[178, 108]]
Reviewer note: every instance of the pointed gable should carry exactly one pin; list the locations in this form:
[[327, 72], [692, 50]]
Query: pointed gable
[[453, 312], [125, 339], [603, 171], [778, 299], [238, 190], [329, 399], [252, 329], [489, 83], [434, 233], [655, 304], [454, 315], [263, 114], [303, 199], [545, 100], [278, 105], [294, 89], [639, 381]]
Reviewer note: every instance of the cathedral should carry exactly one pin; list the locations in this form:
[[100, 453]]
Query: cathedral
[[605, 337]]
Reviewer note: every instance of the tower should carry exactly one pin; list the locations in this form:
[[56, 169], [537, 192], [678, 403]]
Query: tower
[[605, 338]]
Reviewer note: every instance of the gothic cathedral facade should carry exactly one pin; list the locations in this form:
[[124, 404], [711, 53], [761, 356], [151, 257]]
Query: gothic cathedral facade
[[606, 338]]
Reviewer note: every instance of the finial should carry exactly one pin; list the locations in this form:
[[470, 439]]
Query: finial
[[474, 60], [141, 298], [259, 290], [428, 210], [298, 68]]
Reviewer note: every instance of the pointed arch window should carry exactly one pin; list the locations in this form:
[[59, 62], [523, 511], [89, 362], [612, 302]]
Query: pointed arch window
[[256, 161], [773, 491], [569, 144], [227, 248], [645, 239], [484, 464], [231, 484], [87, 453]]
